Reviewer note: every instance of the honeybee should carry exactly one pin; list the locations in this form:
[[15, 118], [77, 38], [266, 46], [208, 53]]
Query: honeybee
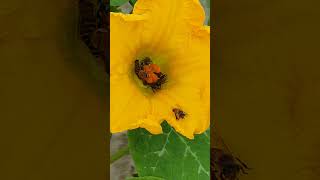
[[146, 61], [137, 67], [224, 164], [157, 85], [178, 113]]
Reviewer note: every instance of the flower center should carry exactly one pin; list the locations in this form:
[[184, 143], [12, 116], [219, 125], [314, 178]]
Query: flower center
[[150, 74]]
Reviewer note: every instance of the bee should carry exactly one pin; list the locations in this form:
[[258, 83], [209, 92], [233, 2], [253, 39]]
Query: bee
[[146, 61], [178, 113], [162, 77], [137, 67], [157, 85], [225, 166]]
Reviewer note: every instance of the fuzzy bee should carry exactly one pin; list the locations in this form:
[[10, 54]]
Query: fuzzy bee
[[227, 167], [157, 85], [178, 113], [137, 67], [224, 164], [146, 61]]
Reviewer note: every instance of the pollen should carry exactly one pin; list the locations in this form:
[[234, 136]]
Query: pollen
[[154, 68], [150, 74]]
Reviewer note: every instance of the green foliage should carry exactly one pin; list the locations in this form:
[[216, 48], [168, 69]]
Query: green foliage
[[114, 9], [118, 2], [144, 178], [170, 155], [132, 2]]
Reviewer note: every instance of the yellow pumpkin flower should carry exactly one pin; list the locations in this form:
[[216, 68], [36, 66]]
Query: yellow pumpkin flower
[[160, 67]]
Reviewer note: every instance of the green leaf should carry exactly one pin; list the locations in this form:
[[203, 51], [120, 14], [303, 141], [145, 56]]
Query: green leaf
[[117, 2], [170, 155], [115, 9], [144, 178], [132, 2]]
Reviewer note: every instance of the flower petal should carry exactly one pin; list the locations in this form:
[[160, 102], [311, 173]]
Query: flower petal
[[123, 49], [129, 108], [169, 21], [187, 100], [191, 75]]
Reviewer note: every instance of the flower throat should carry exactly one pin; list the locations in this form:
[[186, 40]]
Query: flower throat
[[150, 74]]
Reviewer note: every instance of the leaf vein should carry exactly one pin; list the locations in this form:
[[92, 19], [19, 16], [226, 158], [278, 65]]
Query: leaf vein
[[195, 156]]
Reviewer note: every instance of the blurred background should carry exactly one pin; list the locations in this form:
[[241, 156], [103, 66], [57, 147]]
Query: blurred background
[[53, 100], [266, 85]]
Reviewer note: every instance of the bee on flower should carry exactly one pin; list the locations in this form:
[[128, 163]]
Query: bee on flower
[[160, 67]]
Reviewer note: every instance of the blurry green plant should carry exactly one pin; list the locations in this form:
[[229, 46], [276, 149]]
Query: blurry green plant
[[118, 2], [115, 9]]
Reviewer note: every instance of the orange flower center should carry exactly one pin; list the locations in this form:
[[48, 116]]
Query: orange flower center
[[150, 74]]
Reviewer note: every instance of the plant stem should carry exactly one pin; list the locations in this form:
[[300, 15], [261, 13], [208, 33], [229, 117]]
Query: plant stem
[[122, 152]]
